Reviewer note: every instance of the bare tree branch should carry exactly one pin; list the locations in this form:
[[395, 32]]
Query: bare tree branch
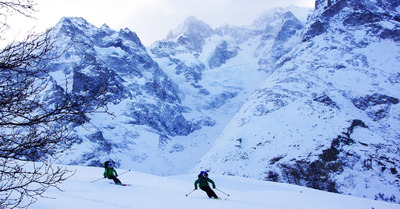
[[36, 116], [9, 8]]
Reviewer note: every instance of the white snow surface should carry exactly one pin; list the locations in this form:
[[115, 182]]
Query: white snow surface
[[156, 192]]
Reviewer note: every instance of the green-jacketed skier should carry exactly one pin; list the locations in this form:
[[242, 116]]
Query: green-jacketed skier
[[203, 184], [110, 172]]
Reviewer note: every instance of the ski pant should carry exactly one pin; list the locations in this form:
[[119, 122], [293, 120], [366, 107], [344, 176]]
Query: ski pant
[[209, 191], [116, 180]]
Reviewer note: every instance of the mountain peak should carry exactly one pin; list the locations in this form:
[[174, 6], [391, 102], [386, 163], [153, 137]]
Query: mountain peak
[[192, 19], [279, 14], [376, 17], [191, 26], [73, 21], [389, 5], [105, 27], [267, 17]]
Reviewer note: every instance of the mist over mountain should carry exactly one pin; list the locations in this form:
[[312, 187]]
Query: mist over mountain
[[311, 103]]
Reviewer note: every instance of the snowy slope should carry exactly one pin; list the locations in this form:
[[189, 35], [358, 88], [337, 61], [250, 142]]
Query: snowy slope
[[328, 115], [155, 192]]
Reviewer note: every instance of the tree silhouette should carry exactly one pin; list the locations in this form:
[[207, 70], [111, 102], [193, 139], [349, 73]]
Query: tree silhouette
[[35, 117]]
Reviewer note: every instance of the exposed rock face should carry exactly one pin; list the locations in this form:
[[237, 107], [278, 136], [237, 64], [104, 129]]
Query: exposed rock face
[[221, 54], [138, 92]]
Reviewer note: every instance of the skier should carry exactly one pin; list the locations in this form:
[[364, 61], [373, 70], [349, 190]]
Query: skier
[[203, 184], [110, 172]]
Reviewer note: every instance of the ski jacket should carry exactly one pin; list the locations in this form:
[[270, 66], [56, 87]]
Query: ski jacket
[[203, 182], [110, 172]]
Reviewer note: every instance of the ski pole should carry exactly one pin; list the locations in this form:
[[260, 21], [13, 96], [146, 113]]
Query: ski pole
[[103, 178], [96, 180], [124, 172], [190, 192], [222, 191]]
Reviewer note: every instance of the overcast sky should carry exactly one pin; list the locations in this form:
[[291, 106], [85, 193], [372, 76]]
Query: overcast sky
[[150, 19]]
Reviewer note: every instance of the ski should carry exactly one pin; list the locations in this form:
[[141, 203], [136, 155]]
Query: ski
[[212, 198], [121, 184]]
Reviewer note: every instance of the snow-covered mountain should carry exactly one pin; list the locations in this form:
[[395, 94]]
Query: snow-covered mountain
[[169, 107], [217, 69], [312, 104], [143, 100], [327, 116]]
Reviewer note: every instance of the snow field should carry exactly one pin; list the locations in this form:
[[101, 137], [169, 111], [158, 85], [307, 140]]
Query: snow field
[[156, 192]]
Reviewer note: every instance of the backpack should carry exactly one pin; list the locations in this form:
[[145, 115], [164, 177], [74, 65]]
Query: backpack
[[203, 174]]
